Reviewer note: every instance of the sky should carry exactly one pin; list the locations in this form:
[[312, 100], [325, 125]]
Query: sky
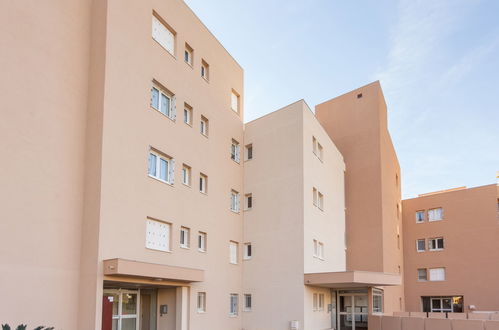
[[437, 61]]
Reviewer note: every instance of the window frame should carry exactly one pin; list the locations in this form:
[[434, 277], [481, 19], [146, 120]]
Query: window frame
[[378, 293], [204, 126], [185, 237], [201, 302], [235, 198], [247, 307], [430, 277], [186, 173], [435, 241], [420, 279], [423, 217], [235, 151], [188, 50], [234, 305], [203, 183], [188, 109], [235, 96], [430, 219], [417, 245], [248, 152], [205, 70], [247, 248], [202, 241], [248, 201], [169, 113], [170, 167]]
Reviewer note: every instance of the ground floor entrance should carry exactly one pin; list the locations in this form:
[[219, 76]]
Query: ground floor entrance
[[350, 308], [443, 304]]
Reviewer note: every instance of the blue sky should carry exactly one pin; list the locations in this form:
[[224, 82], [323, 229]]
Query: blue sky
[[437, 60]]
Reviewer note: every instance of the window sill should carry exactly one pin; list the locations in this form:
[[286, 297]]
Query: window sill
[[233, 315], [205, 79], [202, 251], [236, 212], [185, 247], [235, 264], [201, 312], [189, 64], [187, 185], [435, 250], [163, 114], [247, 310], [420, 251], [151, 249], [247, 258], [435, 220], [320, 258], [235, 161], [204, 193], [248, 209], [160, 180], [205, 135]]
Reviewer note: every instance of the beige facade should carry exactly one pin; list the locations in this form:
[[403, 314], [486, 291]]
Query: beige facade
[[457, 232]]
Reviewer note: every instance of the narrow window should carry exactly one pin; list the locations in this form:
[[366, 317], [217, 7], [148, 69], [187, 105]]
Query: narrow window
[[203, 183], [188, 54], [314, 196], [187, 114], [233, 252], [163, 101], [157, 235], [319, 151], [436, 244], [247, 251], [234, 201], [321, 302], [420, 245], [184, 237], [201, 302], [163, 34], [318, 249], [422, 274], [205, 70], [234, 101], [435, 214], [320, 201], [249, 151], [202, 241], [235, 151], [437, 274], [204, 128], [247, 302], [161, 167], [378, 301], [234, 297], [186, 175], [419, 216], [315, 304], [249, 201], [314, 145]]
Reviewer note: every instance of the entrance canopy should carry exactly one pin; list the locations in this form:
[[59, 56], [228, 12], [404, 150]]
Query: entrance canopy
[[352, 279], [136, 269]]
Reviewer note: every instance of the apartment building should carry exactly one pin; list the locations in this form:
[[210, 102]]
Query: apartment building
[[137, 199], [451, 250]]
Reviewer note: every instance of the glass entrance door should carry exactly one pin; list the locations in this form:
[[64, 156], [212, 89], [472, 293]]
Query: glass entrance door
[[120, 310], [353, 311]]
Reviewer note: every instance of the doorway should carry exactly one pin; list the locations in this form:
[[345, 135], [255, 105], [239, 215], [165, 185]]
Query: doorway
[[120, 309], [353, 310]]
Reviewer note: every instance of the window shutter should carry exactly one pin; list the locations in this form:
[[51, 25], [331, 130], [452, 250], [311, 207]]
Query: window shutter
[[171, 174], [173, 113]]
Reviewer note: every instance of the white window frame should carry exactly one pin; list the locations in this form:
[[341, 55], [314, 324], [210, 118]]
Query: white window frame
[[163, 34], [318, 249], [204, 126], [203, 183], [234, 304], [188, 111], [248, 302], [171, 109], [190, 54], [320, 201], [378, 293], [426, 275], [320, 151], [315, 302], [185, 237], [314, 196], [201, 302], [169, 174], [233, 252], [416, 215], [205, 70], [247, 251], [235, 151], [158, 235], [418, 247], [433, 244], [202, 240], [314, 145], [234, 201], [433, 216], [234, 101], [434, 277], [186, 175]]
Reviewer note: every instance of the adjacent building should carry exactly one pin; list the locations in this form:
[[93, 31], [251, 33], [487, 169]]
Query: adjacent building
[[451, 251]]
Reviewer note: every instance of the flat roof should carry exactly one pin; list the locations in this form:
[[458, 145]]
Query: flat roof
[[352, 279]]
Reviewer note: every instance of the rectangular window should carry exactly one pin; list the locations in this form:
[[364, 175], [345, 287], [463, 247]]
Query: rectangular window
[[164, 101], [234, 297], [437, 274], [187, 114], [247, 251], [161, 167], [377, 301], [318, 249], [314, 145], [233, 252], [188, 54], [205, 70], [321, 302], [436, 244], [435, 214], [249, 151], [419, 216], [319, 151], [157, 235], [234, 101], [249, 201], [204, 128], [422, 274], [202, 237], [185, 237], [320, 201], [201, 302], [235, 151], [186, 175], [234, 201], [203, 183], [247, 302], [420, 245], [314, 196], [163, 34], [318, 302]]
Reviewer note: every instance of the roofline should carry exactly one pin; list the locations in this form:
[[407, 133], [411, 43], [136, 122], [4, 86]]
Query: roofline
[[282, 108], [351, 91], [451, 190]]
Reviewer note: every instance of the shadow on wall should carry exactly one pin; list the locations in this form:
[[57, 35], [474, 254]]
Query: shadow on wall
[[435, 321]]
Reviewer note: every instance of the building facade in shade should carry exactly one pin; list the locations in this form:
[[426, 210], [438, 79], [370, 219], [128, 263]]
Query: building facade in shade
[[450, 248], [138, 199]]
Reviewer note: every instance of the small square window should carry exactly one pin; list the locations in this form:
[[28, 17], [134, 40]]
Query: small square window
[[188, 54], [420, 245], [187, 114], [204, 128], [184, 237], [422, 274], [419, 216], [205, 70], [437, 274]]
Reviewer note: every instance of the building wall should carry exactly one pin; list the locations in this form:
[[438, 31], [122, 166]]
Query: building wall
[[357, 123], [44, 64], [470, 228]]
